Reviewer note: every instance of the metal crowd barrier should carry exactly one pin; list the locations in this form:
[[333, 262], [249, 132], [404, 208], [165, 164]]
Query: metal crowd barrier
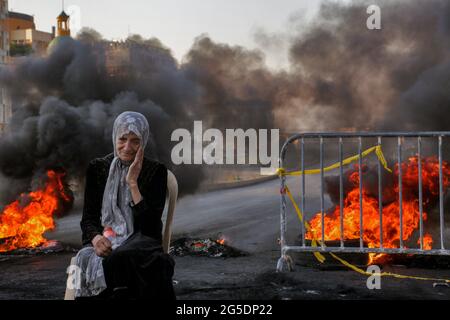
[[285, 261]]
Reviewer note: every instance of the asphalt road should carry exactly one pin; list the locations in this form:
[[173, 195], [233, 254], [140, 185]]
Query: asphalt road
[[248, 218]]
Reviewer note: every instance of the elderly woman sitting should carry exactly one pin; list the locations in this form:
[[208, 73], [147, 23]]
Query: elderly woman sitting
[[124, 199]]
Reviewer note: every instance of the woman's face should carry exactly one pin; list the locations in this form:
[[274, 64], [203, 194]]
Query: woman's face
[[127, 146]]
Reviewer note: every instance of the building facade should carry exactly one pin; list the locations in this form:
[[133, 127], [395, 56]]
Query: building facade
[[4, 36], [18, 21], [5, 101], [24, 39]]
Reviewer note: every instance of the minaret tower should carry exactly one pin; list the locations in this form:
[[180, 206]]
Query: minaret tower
[[63, 23]]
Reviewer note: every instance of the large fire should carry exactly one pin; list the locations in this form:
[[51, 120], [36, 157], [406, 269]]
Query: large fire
[[391, 218], [23, 225]]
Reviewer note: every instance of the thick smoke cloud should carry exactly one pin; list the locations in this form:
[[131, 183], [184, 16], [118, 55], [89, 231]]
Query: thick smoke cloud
[[345, 76], [64, 104]]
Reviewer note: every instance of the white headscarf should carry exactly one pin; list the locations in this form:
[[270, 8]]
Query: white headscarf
[[116, 212], [89, 279]]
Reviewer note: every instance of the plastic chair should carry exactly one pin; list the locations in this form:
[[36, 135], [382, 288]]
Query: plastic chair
[[172, 193]]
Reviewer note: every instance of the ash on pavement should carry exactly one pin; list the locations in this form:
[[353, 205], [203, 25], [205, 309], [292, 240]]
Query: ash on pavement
[[43, 276]]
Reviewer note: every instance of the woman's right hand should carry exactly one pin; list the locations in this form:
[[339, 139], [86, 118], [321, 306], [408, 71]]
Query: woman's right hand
[[102, 246]]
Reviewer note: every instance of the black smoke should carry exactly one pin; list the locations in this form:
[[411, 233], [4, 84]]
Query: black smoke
[[347, 77], [64, 104]]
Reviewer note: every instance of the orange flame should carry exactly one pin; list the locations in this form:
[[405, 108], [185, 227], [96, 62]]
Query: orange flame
[[390, 213], [427, 242], [24, 226], [221, 241]]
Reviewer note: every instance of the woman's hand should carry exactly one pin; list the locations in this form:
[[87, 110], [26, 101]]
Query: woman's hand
[[135, 168], [102, 246]]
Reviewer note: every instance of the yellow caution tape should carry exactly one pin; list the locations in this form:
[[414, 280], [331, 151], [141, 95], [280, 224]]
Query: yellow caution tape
[[384, 274], [321, 258], [318, 256], [377, 149]]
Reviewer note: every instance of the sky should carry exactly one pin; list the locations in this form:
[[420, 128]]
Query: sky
[[178, 23]]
